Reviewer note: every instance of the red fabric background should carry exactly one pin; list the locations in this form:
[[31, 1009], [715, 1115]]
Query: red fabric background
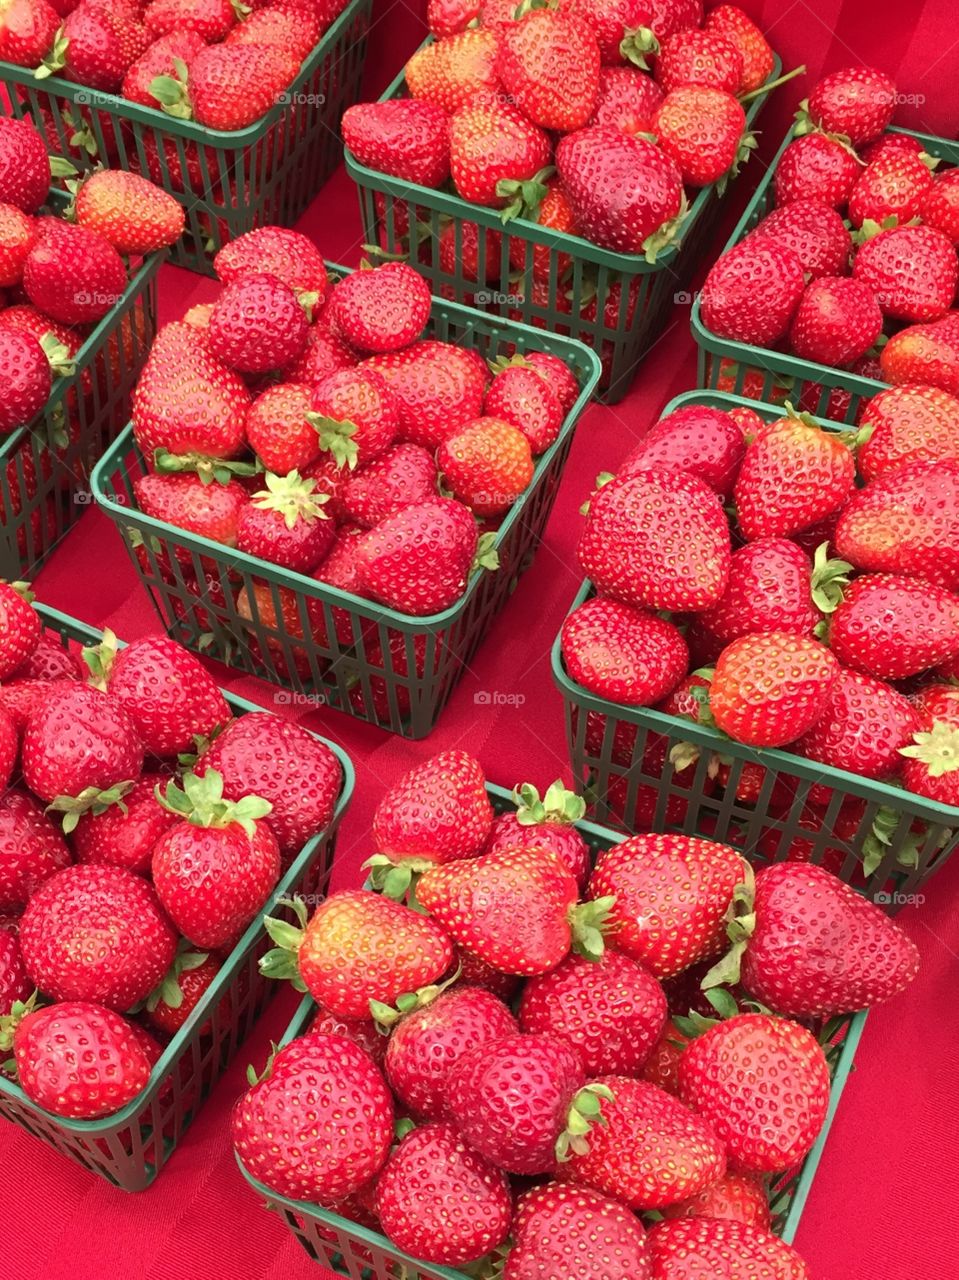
[[882, 1207]]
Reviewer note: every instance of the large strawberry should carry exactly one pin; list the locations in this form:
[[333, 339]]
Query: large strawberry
[[710, 1247], [405, 137], [550, 821], [31, 848], [355, 414], [856, 102], [837, 321], [187, 501], [921, 353], [486, 465], [318, 1123], [257, 324], [671, 894], [762, 1082], [814, 231], [549, 64], [288, 255], [229, 86], [930, 764], [19, 627], [624, 654], [657, 539], [771, 588], [907, 424], [72, 274], [571, 1231], [286, 523], [751, 293], [438, 385], [769, 689], [704, 131], [894, 627], [729, 21], [398, 477], [816, 167], [699, 57], [863, 724], [383, 309], [96, 933], [25, 379], [452, 73], [704, 441], [626, 101], [440, 1201], [892, 186], [27, 31], [136, 216], [911, 270], [496, 153]]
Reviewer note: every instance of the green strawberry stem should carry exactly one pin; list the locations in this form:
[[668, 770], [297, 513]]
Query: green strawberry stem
[[21, 588], [62, 365], [487, 557], [167, 990], [252, 1077], [9, 1023], [668, 236], [396, 880], [172, 92], [222, 470], [740, 924], [558, 805], [200, 802], [585, 1110], [588, 923], [100, 658], [56, 59], [293, 497], [524, 196], [60, 166], [773, 84], [90, 800], [281, 963], [387, 1016], [336, 437], [638, 45], [829, 580]]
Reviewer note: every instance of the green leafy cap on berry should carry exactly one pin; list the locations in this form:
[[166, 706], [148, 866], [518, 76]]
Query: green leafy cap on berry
[[90, 800], [62, 364], [747, 145], [937, 749], [293, 497], [100, 658], [167, 991], [557, 805], [871, 228], [336, 437], [668, 236], [805, 124], [524, 195], [172, 92], [396, 880], [637, 45], [829, 580], [222, 470], [487, 557], [602, 479], [879, 841], [588, 923], [585, 1110], [56, 59], [694, 1023], [800, 415], [9, 1023], [387, 1016], [21, 588], [200, 802], [740, 925], [281, 963], [252, 1077]]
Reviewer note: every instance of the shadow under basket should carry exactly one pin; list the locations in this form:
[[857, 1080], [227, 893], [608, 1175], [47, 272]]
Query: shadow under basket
[[328, 647], [130, 1147], [348, 1249]]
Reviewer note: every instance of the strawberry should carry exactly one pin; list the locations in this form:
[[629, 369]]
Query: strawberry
[[448, 17], [706, 442], [940, 204], [51, 661], [288, 255], [405, 137], [487, 464], [476, 899], [626, 193], [15, 985], [670, 16], [671, 894], [657, 539], [907, 424], [355, 415], [892, 186], [453, 73], [96, 46], [816, 167], [567, 1231], [762, 1082], [662, 1065], [27, 30], [438, 388], [864, 724], [894, 627], [318, 1123], [627, 100], [929, 767], [905, 521], [359, 952], [550, 821], [623, 653], [920, 354], [73, 274], [554, 212], [212, 19], [286, 523], [24, 165], [650, 1150], [611, 1010], [160, 59], [78, 1059], [96, 933], [9, 748], [212, 511], [769, 689], [520, 395], [699, 57], [170, 1005], [857, 102], [549, 65], [495, 151], [135, 216], [427, 1044], [734, 1249], [837, 321], [215, 867], [297, 29], [818, 948], [125, 837], [362, 1031], [260, 754], [400, 476], [814, 231], [735, 1197], [752, 291], [16, 241], [325, 352], [911, 270], [19, 627], [25, 379], [730, 22], [769, 589], [794, 474], [257, 324], [384, 309], [230, 86], [277, 428], [31, 848], [704, 131]]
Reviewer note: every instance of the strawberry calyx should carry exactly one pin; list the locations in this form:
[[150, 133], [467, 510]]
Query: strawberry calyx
[[638, 45], [281, 962], [829, 579], [252, 1077], [805, 124], [557, 805], [800, 415], [201, 744], [82, 137], [56, 59], [100, 659], [774, 84], [172, 92], [200, 802], [498, 363], [871, 228], [524, 196], [937, 749], [292, 496], [62, 364], [21, 588], [602, 479], [882, 833], [668, 236], [747, 145], [222, 470], [588, 922], [387, 1016], [168, 991], [694, 1023], [740, 926], [90, 800], [8, 1025], [487, 557], [585, 1110], [336, 437], [240, 9], [396, 880]]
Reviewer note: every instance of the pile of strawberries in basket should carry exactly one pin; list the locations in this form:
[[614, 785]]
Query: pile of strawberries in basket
[[219, 62], [561, 1099], [311, 424], [754, 629], [59, 276], [860, 248], [126, 876], [552, 112]]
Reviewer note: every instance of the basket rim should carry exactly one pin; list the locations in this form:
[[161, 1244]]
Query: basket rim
[[782, 760], [122, 108], [112, 460], [76, 630]]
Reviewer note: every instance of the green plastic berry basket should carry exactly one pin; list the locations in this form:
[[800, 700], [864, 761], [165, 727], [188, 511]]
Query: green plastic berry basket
[[389, 668], [227, 182], [879, 837], [131, 1147], [45, 466], [349, 1249], [774, 376], [616, 303]]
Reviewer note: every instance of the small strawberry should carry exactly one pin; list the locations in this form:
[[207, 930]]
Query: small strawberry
[[214, 869], [570, 1231], [930, 765], [815, 232], [383, 309], [16, 240], [318, 1123], [20, 627], [894, 627], [550, 821], [735, 1197], [762, 1082], [856, 102], [729, 21], [907, 424], [751, 293], [892, 186], [486, 464], [257, 324], [400, 476], [212, 511], [405, 137], [31, 849], [734, 1249], [212, 19], [448, 17], [706, 442], [286, 523], [495, 151], [911, 270], [438, 386], [622, 653], [837, 321], [125, 837], [549, 65], [185, 984], [769, 689], [671, 895], [770, 589], [355, 415], [627, 100], [453, 73], [704, 131], [277, 428], [816, 167], [24, 165], [96, 933], [135, 216]]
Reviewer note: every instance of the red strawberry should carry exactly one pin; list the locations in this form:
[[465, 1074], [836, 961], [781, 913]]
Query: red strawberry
[[816, 167], [135, 216], [920, 353], [453, 73], [486, 464], [857, 102], [288, 255], [297, 29], [611, 1010], [286, 523], [729, 21], [908, 424], [79, 1060], [762, 1082], [911, 270], [662, 1065], [359, 952], [814, 231], [72, 274], [214, 869], [440, 1201], [624, 654], [31, 849], [650, 1150], [752, 292], [125, 837], [402, 475], [404, 137], [769, 689], [355, 414], [521, 396], [16, 241], [478, 900], [319, 1123], [212, 510], [550, 822], [733, 1249], [699, 57], [96, 46], [671, 896], [384, 309], [9, 748], [556, 373], [212, 19], [735, 1197], [769, 589], [160, 60], [96, 933], [892, 186], [620, 26], [627, 100], [230, 86], [549, 65], [864, 724], [362, 1031], [836, 322], [25, 379], [24, 165], [51, 661], [894, 627], [573, 1231], [257, 324], [940, 204], [27, 31], [494, 151], [704, 131], [19, 627], [278, 431], [183, 987], [658, 539], [625, 192], [15, 985], [794, 475], [438, 386], [447, 17], [324, 353], [929, 768], [706, 442]]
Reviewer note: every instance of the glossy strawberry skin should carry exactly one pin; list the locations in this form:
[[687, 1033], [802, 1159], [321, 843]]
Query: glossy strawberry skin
[[119, 839], [438, 810], [418, 561], [706, 442], [560, 838], [407, 138], [453, 73], [699, 57], [558, 1227], [702, 130], [77, 738], [768, 689], [24, 165], [908, 424], [492, 142], [912, 271], [768, 590], [401, 475], [814, 167], [627, 655], [837, 321], [892, 186], [862, 727], [894, 627], [72, 274], [438, 386], [257, 324], [626, 101], [31, 848], [734, 1248], [19, 630], [735, 1197], [927, 769], [231, 86], [15, 984], [729, 21], [814, 231], [857, 102], [752, 292], [381, 310], [549, 65], [212, 511]]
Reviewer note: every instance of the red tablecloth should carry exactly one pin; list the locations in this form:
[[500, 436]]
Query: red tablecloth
[[882, 1207]]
